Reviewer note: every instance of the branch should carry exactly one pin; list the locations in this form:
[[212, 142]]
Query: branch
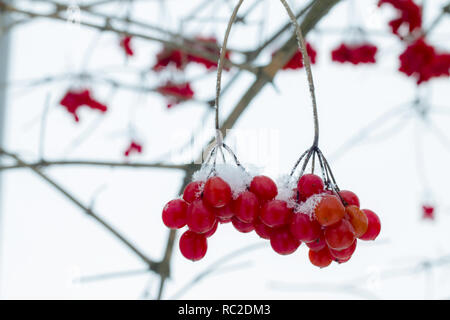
[[186, 46], [152, 265], [143, 165]]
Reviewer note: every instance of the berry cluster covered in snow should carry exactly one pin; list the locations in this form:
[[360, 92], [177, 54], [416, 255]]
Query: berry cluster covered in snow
[[328, 223]]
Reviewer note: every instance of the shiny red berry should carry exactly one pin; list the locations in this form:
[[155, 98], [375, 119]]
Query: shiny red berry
[[340, 235], [242, 226], [349, 197], [308, 185], [317, 244], [224, 213], [275, 213], [344, 254], [264, 188], [304, 228], [212, 231], [262, 230], [193, 191], [193, 246], [217, 193], [374, 227], [321, 258], [200, 218], [329, 210], [283, 242], [174, 214], [246, 207]]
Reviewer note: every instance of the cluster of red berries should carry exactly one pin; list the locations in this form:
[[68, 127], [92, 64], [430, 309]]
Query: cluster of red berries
[[178, 59], [330, 222], [73, 100], [409, 16], [296, 62], [125, 43], [355, 54], [422, 61], [176, 92], [133, 147], [327, 222], [428, 212]]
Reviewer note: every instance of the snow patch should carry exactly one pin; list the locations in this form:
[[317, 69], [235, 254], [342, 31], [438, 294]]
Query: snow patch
[[286, 185], [308, 206], [237, 178]]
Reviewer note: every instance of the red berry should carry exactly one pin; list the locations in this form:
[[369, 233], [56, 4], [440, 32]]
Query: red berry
[[321, 258], [192, 191], [283, 242], [342, 260], [340, 235], [304, 228], [374, 227], [193, 246], [343, 254], [223, 220], [262, 230], [275, 213], [329, 210], [264, 188], [358, 219], [200, 218], [212, 231], [217, 192], [349, 197], [242, 226], [246, 207], [224, 213], [308, 185], [174, 214], [317, 244]]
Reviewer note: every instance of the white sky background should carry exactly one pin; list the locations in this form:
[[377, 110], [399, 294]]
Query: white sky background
[[47, 242]]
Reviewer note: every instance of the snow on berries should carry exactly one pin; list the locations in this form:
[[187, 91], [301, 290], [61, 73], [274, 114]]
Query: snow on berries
[[328, 222]]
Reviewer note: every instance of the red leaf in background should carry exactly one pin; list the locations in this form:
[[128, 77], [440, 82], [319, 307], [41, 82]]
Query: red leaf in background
[[428, 212], [296, 61], [73, 100], [355, 54], [125, 43], [177, 92], [410, 15], [134, 147], [170, 57], [420, 60]]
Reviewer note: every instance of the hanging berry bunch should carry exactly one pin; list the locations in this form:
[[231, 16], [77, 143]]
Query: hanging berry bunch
[[176, 92], [428, 212], [354, 53], [125, 43], [75, 99], [327, 219], [296, 62], [409, 17], [311, 210], [133, 147], [419, 60]]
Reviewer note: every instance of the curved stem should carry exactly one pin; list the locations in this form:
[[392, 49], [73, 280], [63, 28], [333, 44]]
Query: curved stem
[[223, 52], [306, 62]]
